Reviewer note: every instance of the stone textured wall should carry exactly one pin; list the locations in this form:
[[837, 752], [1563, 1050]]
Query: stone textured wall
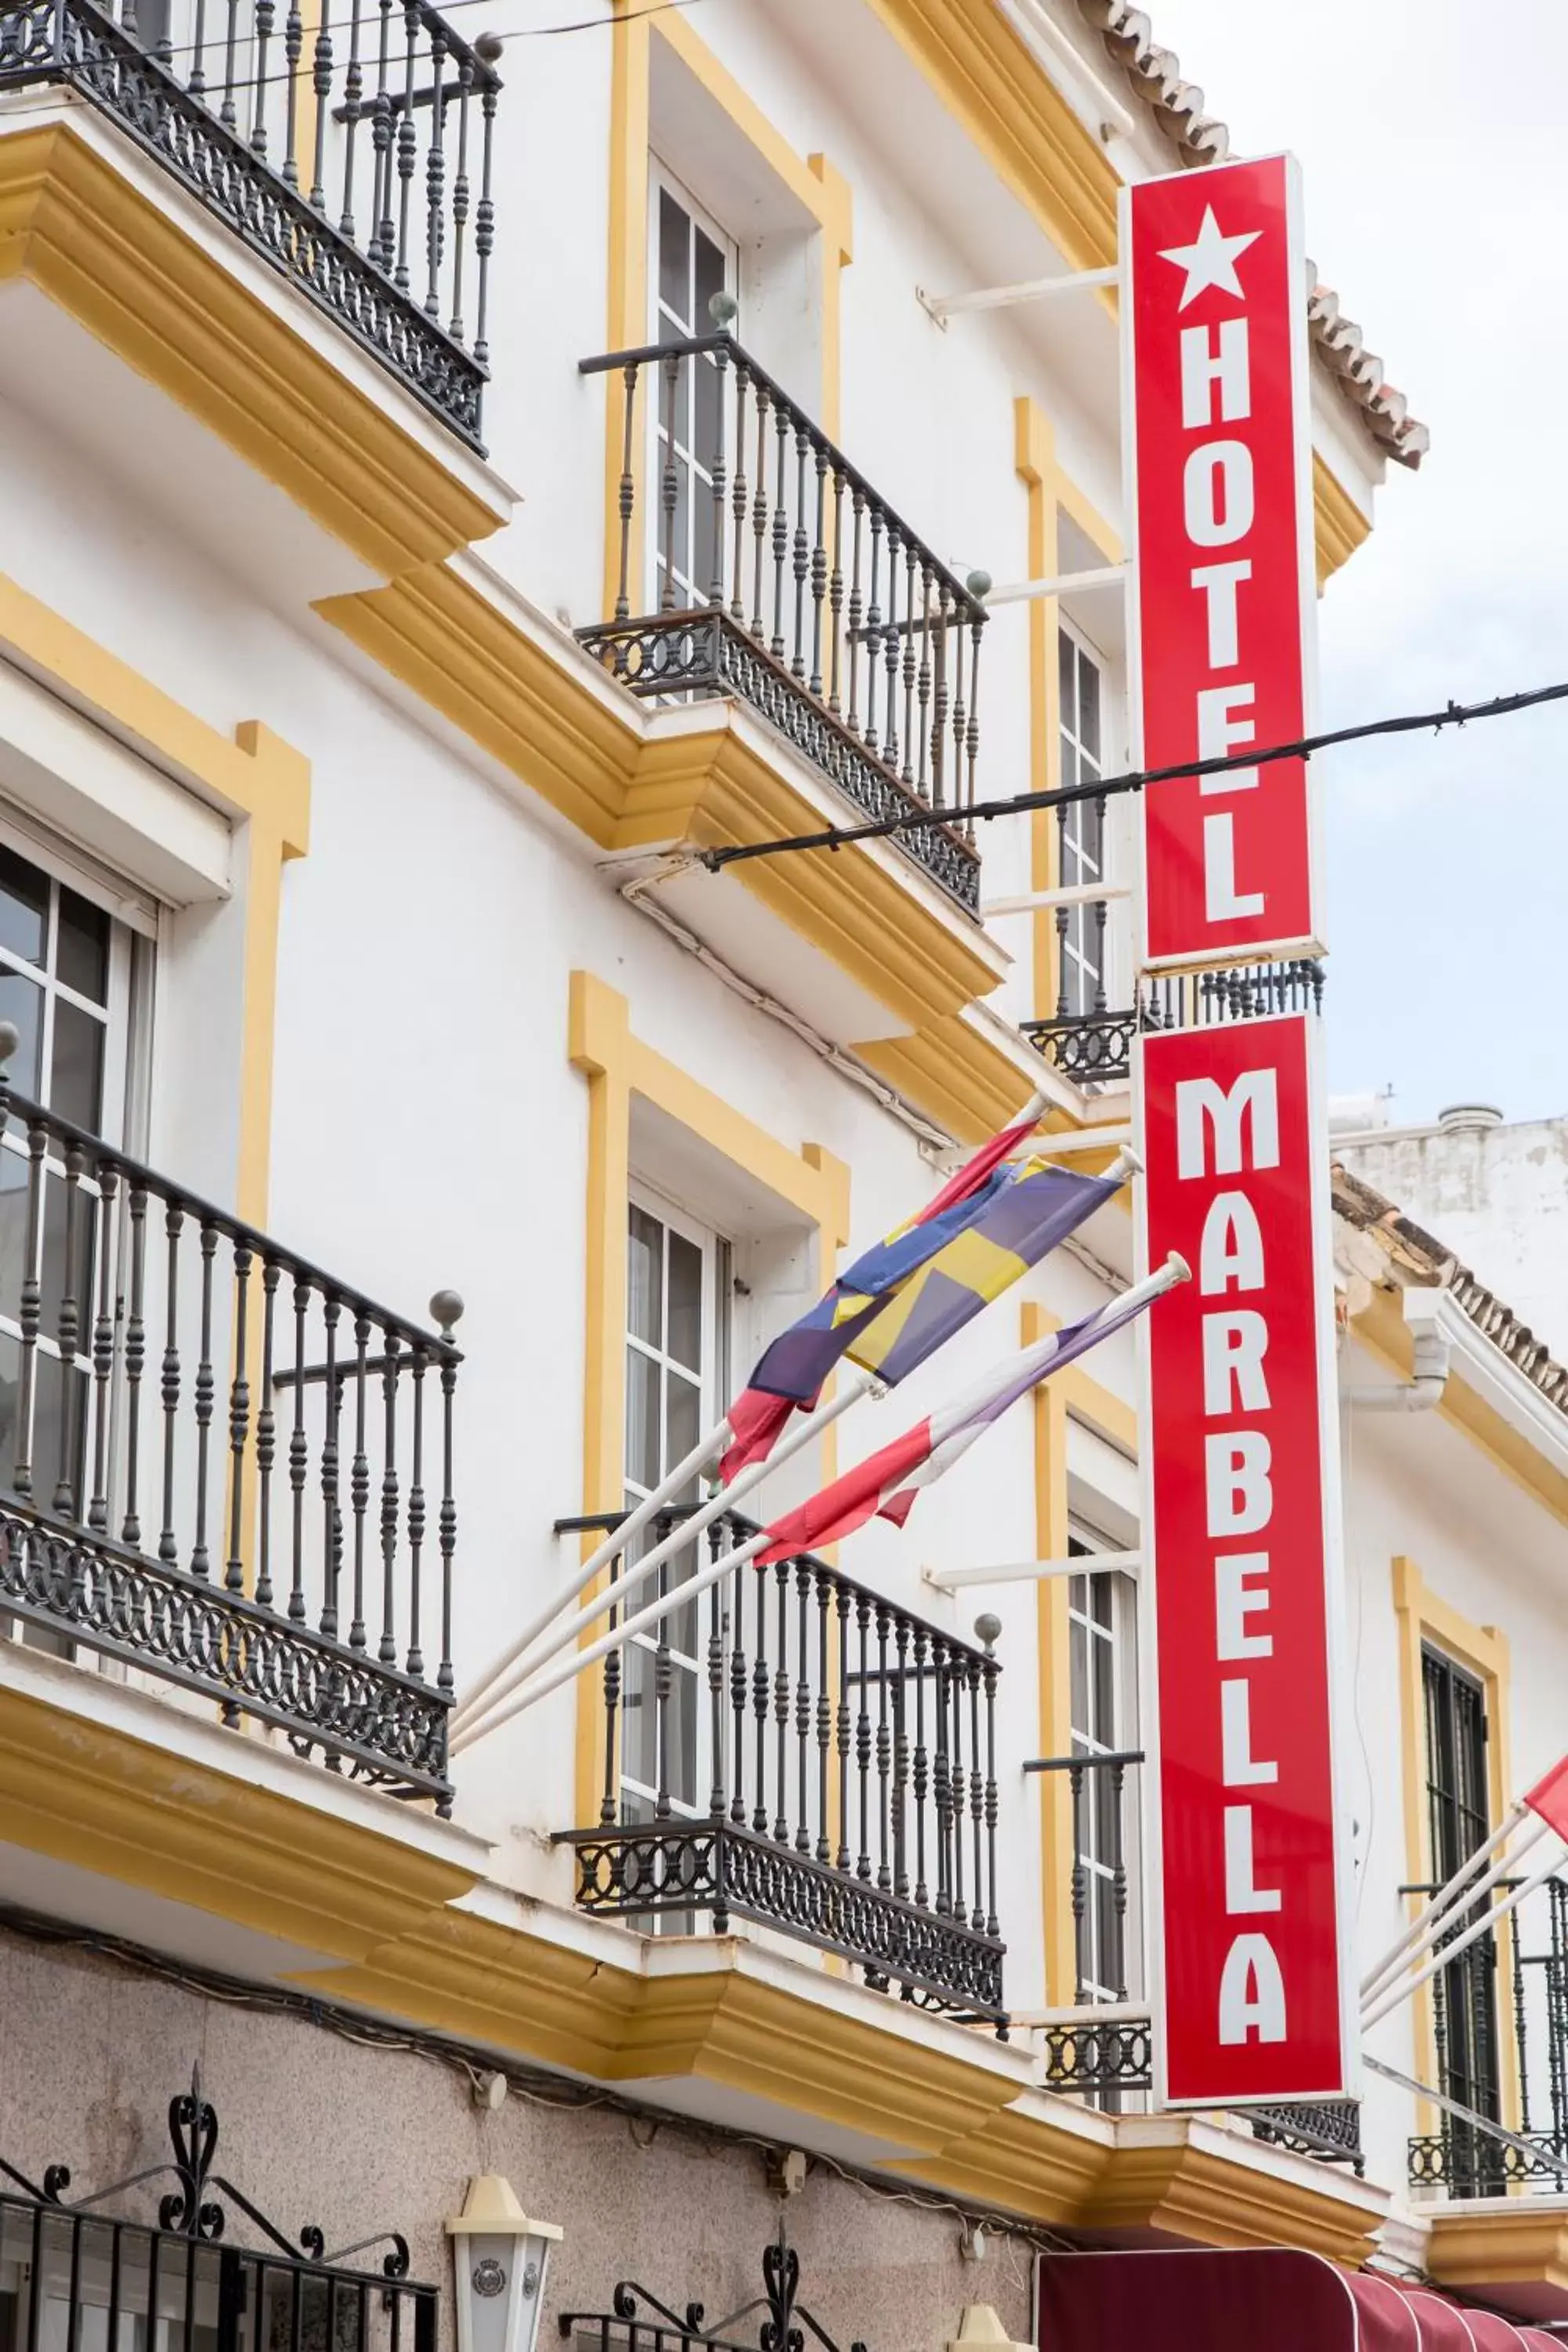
[[315, 2127]]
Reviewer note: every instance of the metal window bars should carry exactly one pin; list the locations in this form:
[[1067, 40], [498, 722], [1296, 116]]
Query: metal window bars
[[352, 148], [774, 571], [219, 1464], [849, 1755]]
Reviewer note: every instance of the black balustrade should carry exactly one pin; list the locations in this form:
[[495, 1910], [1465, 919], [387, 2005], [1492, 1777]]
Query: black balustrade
[[1511, 1984], [1093, 1043], [823, 1762], [755, 560], [1105, 2052], [352, 150], [218, 1464]]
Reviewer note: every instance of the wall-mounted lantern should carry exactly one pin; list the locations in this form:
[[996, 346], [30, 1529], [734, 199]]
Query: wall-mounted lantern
[[499, 2258]]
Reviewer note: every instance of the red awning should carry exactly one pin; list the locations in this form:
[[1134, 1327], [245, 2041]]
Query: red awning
[[1276, 2299]]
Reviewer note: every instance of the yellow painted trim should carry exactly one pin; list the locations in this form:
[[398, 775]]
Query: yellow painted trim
[[1339, 526], [93, 1797], [1035, 460], [1421, 1615], [1176, 2186], [952, 1072], [1511, 2252], [602, 1046], [1382, 1329], [1054, 1645], [257, 779], [80, 232]]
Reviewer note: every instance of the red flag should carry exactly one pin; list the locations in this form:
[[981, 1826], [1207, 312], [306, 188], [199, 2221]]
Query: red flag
[[1549, 1797]]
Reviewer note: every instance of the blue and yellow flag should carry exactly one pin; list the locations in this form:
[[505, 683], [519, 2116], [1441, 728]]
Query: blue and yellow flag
[[1013, 1232]]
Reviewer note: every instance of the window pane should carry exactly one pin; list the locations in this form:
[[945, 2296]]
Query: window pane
[[643, 1466], [81, 956], [76, 1079], [685, 1342], [680, 1737], [683, 1413], [639, 1745], [22, 1003], [24, 907], [10, 1375], [1088, 706], [1067, 680], [1077, 1643], [674, 260], [710, 275], [1105, 1693], [644, 1279], [13, 1234], [53, 1269]]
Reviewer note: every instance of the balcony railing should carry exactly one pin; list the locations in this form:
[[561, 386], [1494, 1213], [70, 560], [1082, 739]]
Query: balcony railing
[[824, 1763], [1093, 1046], [770, 570], [220, 1466], [1104, 2050], [1483, 2016], [353, 155]]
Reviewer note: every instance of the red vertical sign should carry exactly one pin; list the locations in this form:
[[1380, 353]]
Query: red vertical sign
[[1220, 496], [1252, 1998]]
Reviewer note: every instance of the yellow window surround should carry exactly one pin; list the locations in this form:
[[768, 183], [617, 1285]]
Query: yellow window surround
[[603, 1046], [1072, 1394], [1424, 1617], [817, 187], [257, 778]]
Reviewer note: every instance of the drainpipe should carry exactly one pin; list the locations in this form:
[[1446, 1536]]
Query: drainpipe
[[1429, 1365]]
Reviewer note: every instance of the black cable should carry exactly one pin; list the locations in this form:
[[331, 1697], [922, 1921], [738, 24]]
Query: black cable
[[217, 42], [923, 820]]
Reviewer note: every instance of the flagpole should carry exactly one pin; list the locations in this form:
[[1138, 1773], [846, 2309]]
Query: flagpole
[[1393, 1998], [691, 1590], [1430, 1917], [619, 1536], [852, 1389]]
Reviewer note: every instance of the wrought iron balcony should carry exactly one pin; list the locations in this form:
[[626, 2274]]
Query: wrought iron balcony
[[355, 158], [1092, 1045], [1504, 1997], [1104, 2051], [794, 1749], [220, 1466], [770, 570]]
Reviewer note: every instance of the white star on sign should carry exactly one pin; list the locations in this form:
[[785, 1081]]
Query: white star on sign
[[1210, 260]]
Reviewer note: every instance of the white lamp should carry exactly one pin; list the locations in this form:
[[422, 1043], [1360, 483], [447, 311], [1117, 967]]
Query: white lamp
[[499, 2258]]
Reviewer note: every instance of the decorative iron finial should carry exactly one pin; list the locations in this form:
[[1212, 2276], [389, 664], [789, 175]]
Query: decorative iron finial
[[723, 309], [488, 48], [447, 1306], [979, 585], [988, 1628], [10, 1038]]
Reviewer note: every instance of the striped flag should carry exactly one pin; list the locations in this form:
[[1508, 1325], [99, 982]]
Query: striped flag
[[791, 1370], [885, 1486]]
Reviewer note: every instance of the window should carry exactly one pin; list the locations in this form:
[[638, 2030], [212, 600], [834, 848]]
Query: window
[[1101, 1623], [73, 982], [673, 1378], [692, 261], [1080, 829], [1465, 2002]]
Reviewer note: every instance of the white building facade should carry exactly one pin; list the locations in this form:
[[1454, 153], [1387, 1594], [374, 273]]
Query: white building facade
[[455, 476]]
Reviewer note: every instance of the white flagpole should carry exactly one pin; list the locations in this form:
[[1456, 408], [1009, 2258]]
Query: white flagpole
[[701, 1454], [1428, 1922], [481, 1688], [691, 1590], [1391, 1999], [853, 1389]]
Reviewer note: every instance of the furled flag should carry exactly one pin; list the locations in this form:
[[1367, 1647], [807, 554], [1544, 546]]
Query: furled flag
[[1549, 1797], [793, 1368], [959, 1259], [886, 1485]]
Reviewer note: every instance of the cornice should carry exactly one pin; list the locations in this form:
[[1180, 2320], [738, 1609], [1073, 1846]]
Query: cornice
[[81, 229]]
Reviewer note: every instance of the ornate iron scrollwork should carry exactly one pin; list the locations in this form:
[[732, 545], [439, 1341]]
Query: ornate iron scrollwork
[[783, 2329]]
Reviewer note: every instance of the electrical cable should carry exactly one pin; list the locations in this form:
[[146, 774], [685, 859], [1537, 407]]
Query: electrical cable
[[646, 2123], [217, 42], [923, 820]]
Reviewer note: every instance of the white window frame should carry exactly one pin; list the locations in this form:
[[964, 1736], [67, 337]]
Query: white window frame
[[663, 323], [1082, 984], [1122, 1635], [711, 1372]]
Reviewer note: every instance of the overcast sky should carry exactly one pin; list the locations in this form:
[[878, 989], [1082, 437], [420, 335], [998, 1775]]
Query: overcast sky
[[1436, 180]]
